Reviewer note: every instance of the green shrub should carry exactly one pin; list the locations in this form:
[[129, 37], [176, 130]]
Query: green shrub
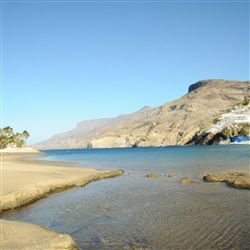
[[227, 132], [245, 129], [215, 121], [245, 102]]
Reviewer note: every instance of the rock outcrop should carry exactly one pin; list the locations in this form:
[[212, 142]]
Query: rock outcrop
[[152, 175], [173, 123], [186, 181], [234, 179], [172, 175], [197, 85]]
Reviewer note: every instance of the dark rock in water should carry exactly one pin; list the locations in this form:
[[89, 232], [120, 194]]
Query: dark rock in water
[[234, 179], [172, 175], [186, 180], [152, 175]]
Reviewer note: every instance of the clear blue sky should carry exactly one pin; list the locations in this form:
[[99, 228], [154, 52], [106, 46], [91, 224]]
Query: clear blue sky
[[68, 61]]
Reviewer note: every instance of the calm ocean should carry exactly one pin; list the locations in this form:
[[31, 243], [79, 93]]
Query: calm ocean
[[135, 212]]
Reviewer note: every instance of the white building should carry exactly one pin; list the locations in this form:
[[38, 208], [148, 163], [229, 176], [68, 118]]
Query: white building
[[236, 116]]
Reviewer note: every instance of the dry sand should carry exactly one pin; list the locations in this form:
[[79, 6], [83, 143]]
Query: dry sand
[[25, 180]]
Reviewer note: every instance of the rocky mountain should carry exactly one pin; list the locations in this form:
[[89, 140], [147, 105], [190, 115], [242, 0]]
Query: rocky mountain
[[173, 123]]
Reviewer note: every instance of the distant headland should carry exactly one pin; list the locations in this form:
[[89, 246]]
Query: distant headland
[[192, 119]]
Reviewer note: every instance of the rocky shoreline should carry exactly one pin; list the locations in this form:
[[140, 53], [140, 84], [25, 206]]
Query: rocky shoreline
[[239, 179]]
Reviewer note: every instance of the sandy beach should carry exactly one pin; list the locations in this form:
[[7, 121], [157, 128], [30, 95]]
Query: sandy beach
[[25, 180]]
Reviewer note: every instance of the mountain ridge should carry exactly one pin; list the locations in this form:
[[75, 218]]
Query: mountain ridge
[[173, 123]]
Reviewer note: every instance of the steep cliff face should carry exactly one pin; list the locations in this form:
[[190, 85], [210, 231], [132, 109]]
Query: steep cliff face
[[173, 123]]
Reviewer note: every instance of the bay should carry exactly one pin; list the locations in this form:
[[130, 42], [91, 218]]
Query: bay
[[136, 212]]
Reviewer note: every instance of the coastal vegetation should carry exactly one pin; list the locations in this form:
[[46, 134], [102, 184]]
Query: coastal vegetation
[[245, 102], [242, 129], [9, 138]]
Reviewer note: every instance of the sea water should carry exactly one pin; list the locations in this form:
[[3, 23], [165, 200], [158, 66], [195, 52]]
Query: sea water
[[136, 212]]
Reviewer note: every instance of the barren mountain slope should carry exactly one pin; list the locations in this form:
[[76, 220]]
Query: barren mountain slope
[[173, 123]]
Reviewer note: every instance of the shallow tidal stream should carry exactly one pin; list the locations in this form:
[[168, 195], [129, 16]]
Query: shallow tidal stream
[[136, 212]]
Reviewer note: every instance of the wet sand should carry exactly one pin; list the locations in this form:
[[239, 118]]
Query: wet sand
[[25, 180]]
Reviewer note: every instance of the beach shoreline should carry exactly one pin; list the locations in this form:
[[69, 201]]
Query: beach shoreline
[[24, 180]]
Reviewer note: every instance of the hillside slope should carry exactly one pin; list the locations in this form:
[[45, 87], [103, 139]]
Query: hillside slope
[[173, 123]]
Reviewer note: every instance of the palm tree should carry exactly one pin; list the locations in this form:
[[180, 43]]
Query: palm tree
[[17, 136], [26, 135], [20, 143], [3, 141], [9, 138], [8, 130]]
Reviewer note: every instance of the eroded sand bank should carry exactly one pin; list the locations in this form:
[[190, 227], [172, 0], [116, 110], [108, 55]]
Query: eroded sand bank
[[25, 180], [21, 235]]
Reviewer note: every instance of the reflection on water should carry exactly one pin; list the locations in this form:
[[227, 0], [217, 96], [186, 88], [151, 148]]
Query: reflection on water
[[135, 212]]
